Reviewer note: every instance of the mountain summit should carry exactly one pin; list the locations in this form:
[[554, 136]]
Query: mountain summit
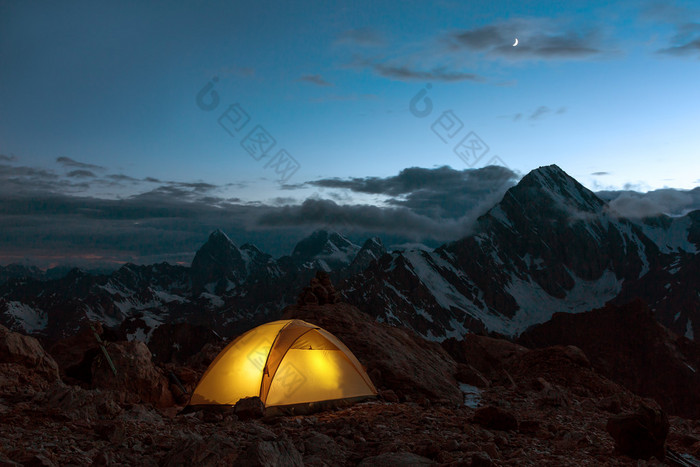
[[551, 188], [549, 245]]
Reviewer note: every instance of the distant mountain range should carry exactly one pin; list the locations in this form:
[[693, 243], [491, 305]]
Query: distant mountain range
[[549, 245]]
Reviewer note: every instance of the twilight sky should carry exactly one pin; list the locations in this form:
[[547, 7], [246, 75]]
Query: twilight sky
[[224, 108]]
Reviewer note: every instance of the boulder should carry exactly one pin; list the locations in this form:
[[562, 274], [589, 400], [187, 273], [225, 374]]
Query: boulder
[[564, 366], [319, 292], [201, 360], [642, 434], [487, 355], [74, 354], [76, 403], [214, 450], [137, 379], [249, 407], [627, 345], [395, 358], [24, 362], [175, 343]]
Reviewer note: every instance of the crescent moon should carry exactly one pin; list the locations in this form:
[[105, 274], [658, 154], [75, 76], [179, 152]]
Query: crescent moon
[[516, 42]]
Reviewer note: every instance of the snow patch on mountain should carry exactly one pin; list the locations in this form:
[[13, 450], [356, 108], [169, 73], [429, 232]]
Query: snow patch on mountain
[[144, 334], [215, 300], [30, 319], [445, 294], [672, 239], [166, 297], [537, 306]]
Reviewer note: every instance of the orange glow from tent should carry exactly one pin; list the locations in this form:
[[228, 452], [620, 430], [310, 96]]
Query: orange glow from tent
[[314, 367]]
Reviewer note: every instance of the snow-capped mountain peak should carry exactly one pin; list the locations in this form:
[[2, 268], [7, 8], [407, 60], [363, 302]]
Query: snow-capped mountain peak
[[325, 250], [552, 186]]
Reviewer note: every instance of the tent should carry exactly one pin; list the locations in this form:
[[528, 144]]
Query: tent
[[285, 363]]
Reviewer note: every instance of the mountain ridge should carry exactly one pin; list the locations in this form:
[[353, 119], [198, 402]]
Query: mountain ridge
[[548, 245]]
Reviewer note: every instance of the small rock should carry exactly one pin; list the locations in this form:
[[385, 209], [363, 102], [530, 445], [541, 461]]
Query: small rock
[[389, 395], [249, 407], [495, 418]]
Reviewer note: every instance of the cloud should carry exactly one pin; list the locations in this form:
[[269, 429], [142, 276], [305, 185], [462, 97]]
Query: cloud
[[68, 162], [538, 39], [441, 192], [667, 201], [540, 112], [537, 114], [344, 97], [688, 48], [80, 174], [449, 55], [406, 73], [315, 79], [686, 38], [5, 158], [363, 37], [405, 69], [600, 174], [323, 213], [126, 178], [44, 214]]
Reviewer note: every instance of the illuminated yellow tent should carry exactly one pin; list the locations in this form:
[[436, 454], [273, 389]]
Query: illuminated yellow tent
[[284, 363]]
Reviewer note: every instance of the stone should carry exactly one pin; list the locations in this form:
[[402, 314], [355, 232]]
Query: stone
[[389, 396], [249, 407], [137, 377], [395, 358], [26, 355], [640, 435]]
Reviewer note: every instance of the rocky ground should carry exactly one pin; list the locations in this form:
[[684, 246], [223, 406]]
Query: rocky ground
[[544, 406]]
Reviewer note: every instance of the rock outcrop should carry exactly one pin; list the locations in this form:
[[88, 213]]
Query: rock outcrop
[[641, 434], [627, 345], [24, 362], [319, 292], [137, 378], [395, 358]]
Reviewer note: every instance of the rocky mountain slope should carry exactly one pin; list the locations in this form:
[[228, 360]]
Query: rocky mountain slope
[[481, 401], [627, 345], [227, 287], [550, 245]]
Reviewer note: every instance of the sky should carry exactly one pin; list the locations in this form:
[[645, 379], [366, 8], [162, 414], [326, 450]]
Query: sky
[[124, 124]]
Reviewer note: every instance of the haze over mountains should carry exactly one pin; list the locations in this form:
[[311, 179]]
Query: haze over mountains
[[548, 245]]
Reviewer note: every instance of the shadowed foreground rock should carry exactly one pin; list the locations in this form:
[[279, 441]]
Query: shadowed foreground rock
[[395, 358], [559, 403], [137, 378], [249, 407], [271, 454], [640, 435], [627, 345], [23, 362], [495, 418]]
